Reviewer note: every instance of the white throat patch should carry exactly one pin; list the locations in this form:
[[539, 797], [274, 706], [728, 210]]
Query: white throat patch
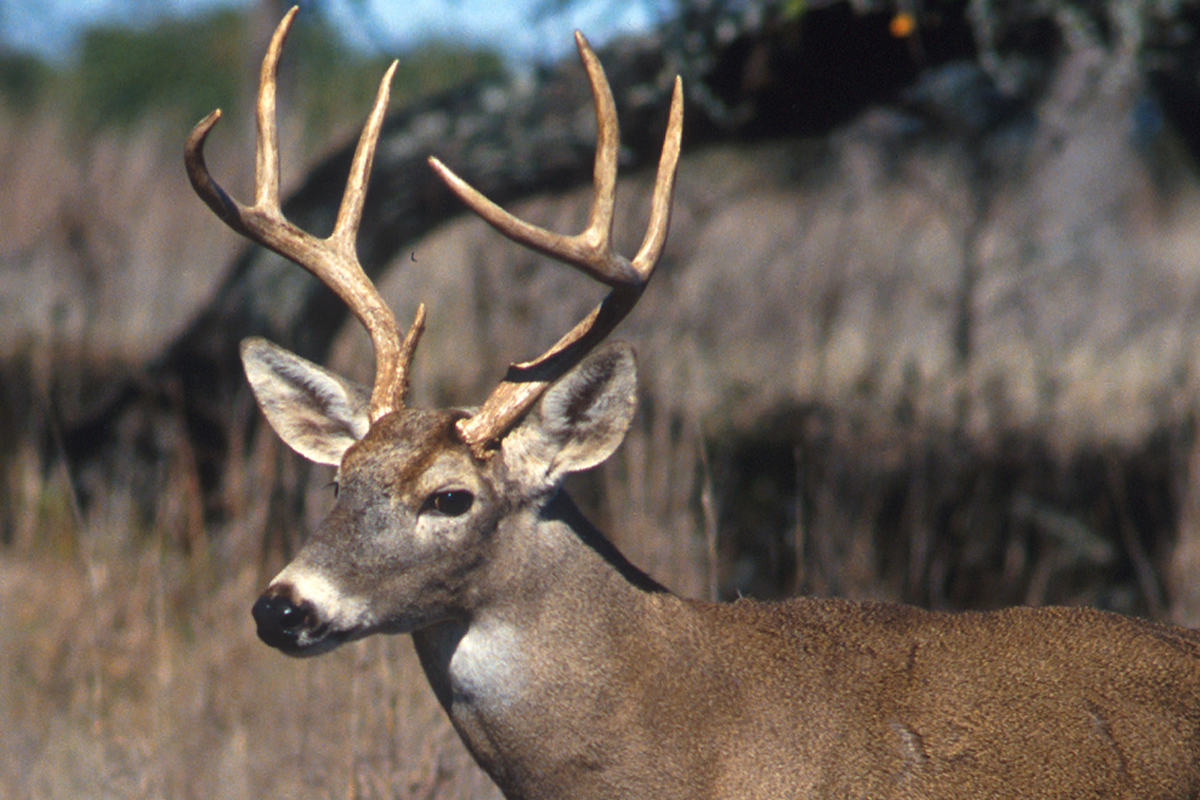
[[490, 664]]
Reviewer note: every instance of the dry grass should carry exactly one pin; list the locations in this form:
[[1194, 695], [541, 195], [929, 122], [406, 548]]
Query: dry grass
[[105, 253], [124, 679]]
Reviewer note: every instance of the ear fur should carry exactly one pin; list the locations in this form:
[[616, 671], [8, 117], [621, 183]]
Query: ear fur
[[579, 422], [317, 413]]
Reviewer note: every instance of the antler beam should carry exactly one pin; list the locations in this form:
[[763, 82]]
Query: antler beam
[[333, 260]]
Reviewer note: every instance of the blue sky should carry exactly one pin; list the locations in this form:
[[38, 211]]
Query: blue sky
[[49, 26]]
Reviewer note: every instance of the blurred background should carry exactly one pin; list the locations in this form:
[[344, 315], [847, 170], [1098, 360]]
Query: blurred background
[[926, 330]]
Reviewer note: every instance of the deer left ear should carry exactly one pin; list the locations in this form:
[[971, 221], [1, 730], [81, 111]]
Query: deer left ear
[[579, 422], [317, 413]]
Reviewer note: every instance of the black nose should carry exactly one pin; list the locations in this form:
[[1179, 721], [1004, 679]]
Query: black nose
[[280, 621]]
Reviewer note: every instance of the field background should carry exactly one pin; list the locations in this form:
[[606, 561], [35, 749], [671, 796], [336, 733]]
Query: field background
[[944, 358]]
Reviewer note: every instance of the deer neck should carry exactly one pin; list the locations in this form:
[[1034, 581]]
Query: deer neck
[[553, 578], [555, 635]]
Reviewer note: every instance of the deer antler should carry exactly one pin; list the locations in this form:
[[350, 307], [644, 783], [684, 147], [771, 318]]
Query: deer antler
[[333, 260], [590, 251]]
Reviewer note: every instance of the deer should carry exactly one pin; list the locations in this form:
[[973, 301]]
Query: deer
[[570, 673]]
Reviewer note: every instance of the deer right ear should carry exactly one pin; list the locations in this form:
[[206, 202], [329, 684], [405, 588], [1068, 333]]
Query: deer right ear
[[578, 423], [318, 414]]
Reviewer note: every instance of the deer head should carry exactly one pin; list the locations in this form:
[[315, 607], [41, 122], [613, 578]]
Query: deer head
[[413, 537]]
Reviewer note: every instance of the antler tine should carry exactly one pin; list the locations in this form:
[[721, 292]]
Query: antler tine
[[590, 251], [333, 260]]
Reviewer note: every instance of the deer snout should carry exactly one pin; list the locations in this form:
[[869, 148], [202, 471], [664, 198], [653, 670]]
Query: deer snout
[[285, 623]]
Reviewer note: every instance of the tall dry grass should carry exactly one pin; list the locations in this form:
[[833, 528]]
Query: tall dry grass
[[136, 674], [104, 252]]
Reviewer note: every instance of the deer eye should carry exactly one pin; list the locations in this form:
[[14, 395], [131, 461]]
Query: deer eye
[[451, 503]]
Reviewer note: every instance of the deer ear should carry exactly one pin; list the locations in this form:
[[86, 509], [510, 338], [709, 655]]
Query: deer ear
[[318, 414], [579, 422]]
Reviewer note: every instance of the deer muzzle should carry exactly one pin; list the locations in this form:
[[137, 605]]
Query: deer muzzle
[[295, 627]]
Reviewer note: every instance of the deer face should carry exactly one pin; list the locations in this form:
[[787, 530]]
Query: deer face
[[414, 537], [407, 532]]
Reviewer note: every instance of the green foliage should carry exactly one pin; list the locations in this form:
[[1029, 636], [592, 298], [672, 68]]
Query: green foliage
[[793, 9], [186, 66], [335, 83], [23, 79], [435, 66]]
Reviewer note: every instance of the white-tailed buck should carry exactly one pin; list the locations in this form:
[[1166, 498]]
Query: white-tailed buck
[[571, 674]]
